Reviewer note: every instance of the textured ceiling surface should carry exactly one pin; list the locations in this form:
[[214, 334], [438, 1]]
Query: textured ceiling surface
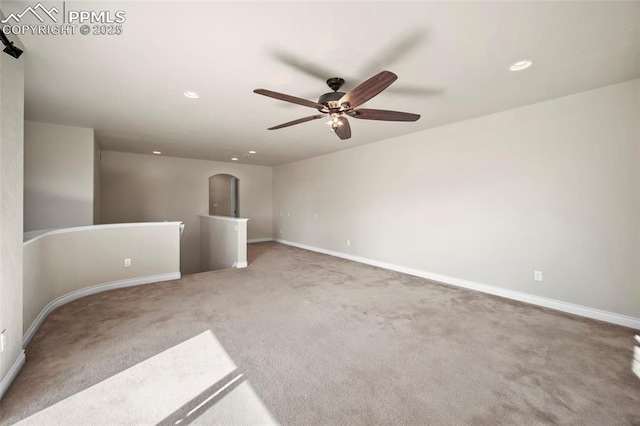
[[451, 58]]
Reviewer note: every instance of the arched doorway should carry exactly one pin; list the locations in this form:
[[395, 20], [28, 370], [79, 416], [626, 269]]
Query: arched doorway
[[223, 195]]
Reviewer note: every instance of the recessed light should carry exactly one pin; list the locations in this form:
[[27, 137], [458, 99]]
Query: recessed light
[[234, 159], [252, 152], [191, 94], [521, 65], [157, 152]]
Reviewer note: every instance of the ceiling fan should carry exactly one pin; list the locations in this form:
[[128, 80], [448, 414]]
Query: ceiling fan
[[339, 105]]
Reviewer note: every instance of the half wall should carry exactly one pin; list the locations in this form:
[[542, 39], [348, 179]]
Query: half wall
[[66, 264]]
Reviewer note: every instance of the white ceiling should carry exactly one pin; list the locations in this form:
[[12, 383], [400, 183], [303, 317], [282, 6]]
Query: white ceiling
[[451, 58]]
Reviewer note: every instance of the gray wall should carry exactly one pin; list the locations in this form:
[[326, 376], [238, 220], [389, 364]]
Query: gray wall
[[141, 188], [553, 186], [59, 176], [11, 199]]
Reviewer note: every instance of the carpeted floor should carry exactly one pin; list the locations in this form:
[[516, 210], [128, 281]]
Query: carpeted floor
[[323, 340]]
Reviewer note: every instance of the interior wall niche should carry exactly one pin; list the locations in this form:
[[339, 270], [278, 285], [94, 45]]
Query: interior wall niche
[[223, 195]]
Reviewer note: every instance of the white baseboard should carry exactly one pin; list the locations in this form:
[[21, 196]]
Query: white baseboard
[[11, 374], [259, 240], [98, 288], [559, 305], [240, 264]]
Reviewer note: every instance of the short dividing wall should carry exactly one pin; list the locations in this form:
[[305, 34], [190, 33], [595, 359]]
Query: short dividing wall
[[66, 264], [223, 242]]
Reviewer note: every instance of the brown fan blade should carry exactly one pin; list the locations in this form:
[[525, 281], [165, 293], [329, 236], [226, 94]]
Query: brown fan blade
[[287, 98], [367, 90], [298, 121], [343, 130], [384, 115]]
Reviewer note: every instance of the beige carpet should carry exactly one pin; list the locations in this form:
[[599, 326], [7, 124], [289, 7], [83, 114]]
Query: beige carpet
[[323, 340], [190, 383]]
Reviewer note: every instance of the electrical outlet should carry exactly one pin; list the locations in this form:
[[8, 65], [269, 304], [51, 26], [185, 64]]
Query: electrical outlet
[[127, 263], [2, 340], [315, 215], [348, 243], [537, 275]]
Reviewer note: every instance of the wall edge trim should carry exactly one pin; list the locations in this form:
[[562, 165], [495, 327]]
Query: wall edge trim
[[98, 288], [46, 233], [558, 305], [12, 373]]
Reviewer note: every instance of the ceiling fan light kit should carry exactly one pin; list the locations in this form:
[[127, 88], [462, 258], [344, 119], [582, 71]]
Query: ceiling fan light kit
[[338, 105]]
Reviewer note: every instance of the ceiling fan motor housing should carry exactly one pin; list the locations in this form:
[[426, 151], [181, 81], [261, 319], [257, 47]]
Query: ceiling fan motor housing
[[330, 101]]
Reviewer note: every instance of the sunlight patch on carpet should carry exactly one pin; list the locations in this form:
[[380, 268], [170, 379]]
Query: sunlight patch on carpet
[[636, 358], [193, 382]]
